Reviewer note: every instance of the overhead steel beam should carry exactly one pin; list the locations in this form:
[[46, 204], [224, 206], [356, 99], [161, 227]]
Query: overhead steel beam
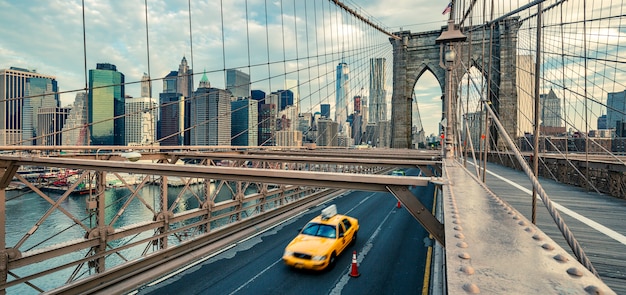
[[369, 160], [306, 178], [419, 211]]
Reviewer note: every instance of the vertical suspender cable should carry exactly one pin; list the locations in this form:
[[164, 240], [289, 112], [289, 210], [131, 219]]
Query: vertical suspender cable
[[86, 127], [152, 129], [537, 106], [223, 43], [586, 98], [190, 38]]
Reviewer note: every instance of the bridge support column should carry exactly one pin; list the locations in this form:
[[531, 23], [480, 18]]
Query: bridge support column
[[401, 108], [4, 257]]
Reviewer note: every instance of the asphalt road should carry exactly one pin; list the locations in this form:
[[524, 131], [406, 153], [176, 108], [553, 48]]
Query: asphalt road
[[390, 251]]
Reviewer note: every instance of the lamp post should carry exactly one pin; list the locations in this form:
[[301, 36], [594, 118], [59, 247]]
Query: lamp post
[[447, 37], [449, 58]]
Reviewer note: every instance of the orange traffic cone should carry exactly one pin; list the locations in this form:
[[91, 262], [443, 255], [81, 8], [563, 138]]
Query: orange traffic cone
[[399, 205], [355, 269]]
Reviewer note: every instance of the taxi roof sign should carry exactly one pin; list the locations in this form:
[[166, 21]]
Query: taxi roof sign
[[329, 212]]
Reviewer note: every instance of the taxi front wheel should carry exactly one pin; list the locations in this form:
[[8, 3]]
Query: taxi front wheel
[[331, 261]]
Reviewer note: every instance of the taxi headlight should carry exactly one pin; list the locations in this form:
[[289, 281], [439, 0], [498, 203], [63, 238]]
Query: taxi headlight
[[318, 257], [288, 253]]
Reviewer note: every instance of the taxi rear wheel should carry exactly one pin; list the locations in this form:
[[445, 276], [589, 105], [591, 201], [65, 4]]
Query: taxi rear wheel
[[353, 241]]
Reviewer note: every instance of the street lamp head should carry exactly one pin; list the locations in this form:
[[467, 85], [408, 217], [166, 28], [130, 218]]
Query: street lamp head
[[450, 55], [452, 34], [131, 156]]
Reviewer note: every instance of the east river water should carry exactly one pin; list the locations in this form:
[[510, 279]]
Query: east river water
[[24, 210]]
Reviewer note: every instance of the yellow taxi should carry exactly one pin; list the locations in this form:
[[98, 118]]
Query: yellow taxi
[[321, 240]]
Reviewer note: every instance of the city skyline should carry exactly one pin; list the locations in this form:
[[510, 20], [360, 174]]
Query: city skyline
[[116, 34]]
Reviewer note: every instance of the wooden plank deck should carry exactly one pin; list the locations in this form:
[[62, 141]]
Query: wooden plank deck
[[607, 254]]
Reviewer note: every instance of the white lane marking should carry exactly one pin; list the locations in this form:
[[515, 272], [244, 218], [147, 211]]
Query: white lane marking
[[368, 246], [219, 252], [254, 277], [597, 226], [191, 265], [359, 204]]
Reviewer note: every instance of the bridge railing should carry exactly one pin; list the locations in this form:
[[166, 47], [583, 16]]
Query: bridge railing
[[95, 220]]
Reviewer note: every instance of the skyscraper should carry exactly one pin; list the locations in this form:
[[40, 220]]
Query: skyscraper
[[184, 86], [550, 110], [244, 120], [50, 122], [36, 98], [325, 110], [146, 86], [616, 107], [602, 122], [210, 115], [175, 106], [140, 121], [327, 132], [238, 83], [377, 103], [105, 102], [267, 124], [293, 86], [12, 91], [171, 119], [285, 98], [184, 79], [75, 128], [357, 104], [342, 89]]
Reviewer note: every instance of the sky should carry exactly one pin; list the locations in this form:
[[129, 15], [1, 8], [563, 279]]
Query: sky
[[47, 35]]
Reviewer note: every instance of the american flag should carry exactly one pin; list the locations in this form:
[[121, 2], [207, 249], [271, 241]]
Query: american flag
[[448, 8]]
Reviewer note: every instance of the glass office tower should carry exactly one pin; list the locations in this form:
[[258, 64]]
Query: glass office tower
[[105, 102]]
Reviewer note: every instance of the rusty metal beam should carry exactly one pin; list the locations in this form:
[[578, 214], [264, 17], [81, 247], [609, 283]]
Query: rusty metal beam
[[419, 211], [10, 168]]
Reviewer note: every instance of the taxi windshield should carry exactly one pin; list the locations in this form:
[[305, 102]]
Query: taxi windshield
[[320, 230]]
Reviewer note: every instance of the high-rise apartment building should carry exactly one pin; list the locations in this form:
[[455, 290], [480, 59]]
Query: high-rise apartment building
[[244, 121], [377, 104], [140, 121], [238, 83], [342, 89], [13, 88], [105, 102]]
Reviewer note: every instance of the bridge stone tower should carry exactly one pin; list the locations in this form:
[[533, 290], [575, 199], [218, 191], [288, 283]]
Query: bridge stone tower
[[416, 53]]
